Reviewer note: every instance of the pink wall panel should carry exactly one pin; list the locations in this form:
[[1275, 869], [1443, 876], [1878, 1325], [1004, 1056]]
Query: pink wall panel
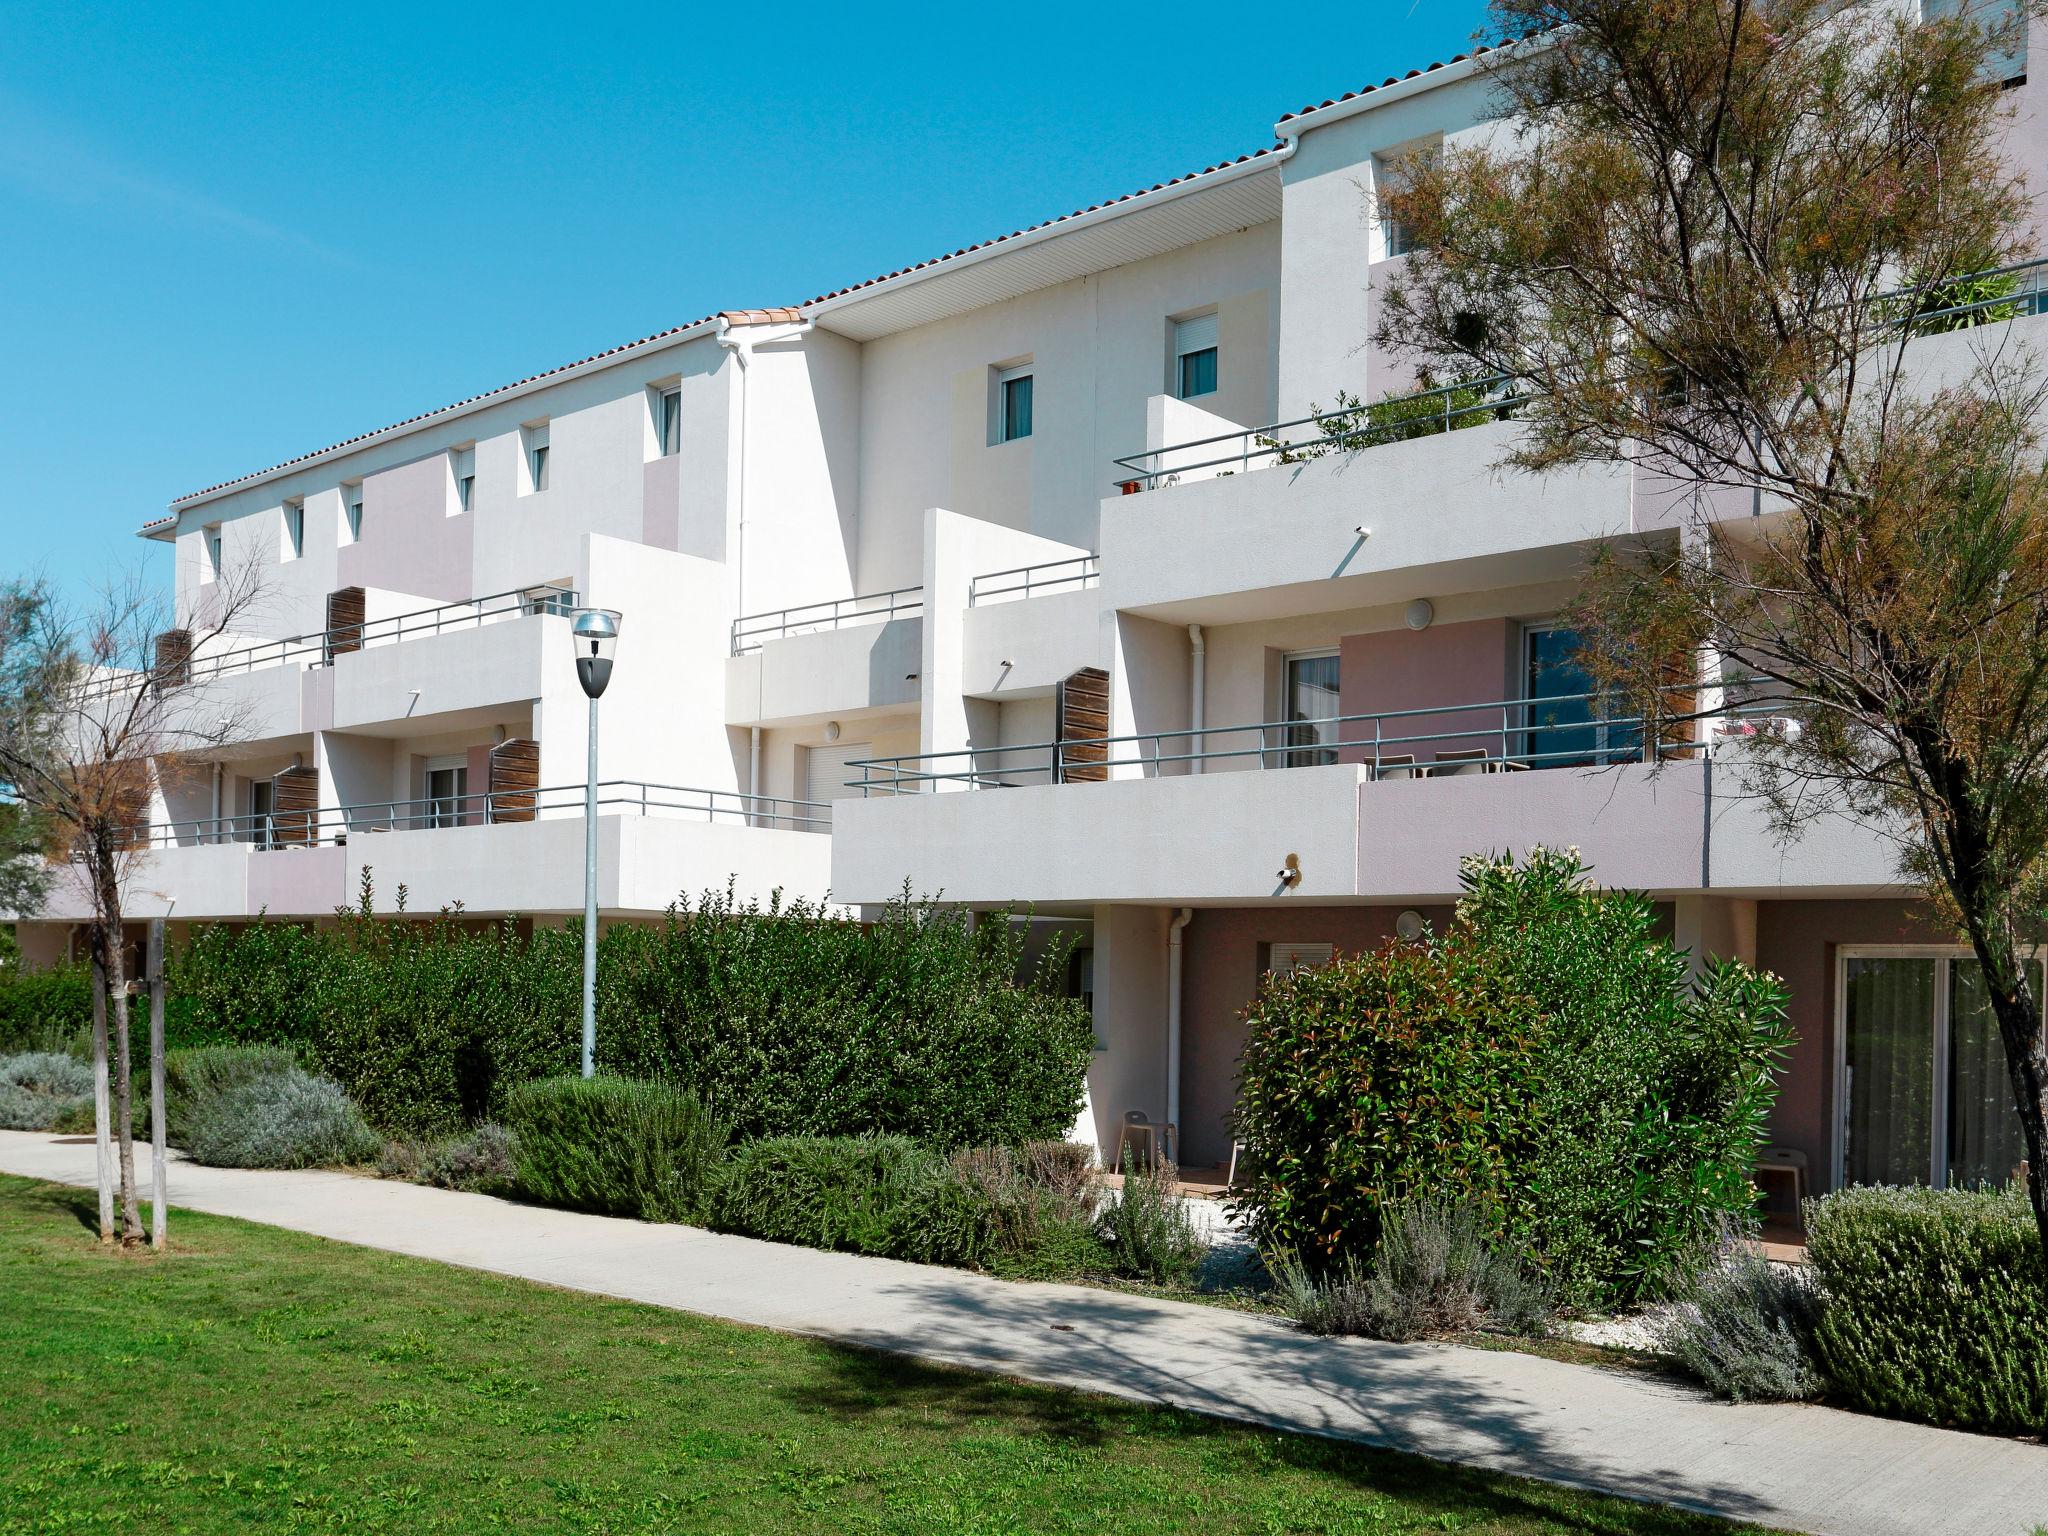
[[1220, 976], [409, 542], [1399, 669], [1797, 941]]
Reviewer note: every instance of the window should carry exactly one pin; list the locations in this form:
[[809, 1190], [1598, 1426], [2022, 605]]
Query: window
[[1194, 356], [535, 439], [294, 529], [447, 785], [210, 537], [668, 420], [1310, 708], [352, 510], [1013, 404], [462, 470], [1389, 170], [262, 825], [1563, 726], [2004, 23], [1924, 1092], [1284, 959]]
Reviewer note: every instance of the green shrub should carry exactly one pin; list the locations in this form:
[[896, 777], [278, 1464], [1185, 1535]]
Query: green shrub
[[881, 1195], [480, 1161], [288, 1119], [1547, 1059], [614, 1145], [199, 1073], [1437, 1270], [1934, 1305], [791, 1021], [40, 1089], [1148, 1231], [1747, 1333], [37, 1006], [1038, 1208]]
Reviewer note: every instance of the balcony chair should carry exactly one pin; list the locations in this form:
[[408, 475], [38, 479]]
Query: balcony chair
[[1456, 764], [1790, 1163], [1395, 766], [1137, 1125]]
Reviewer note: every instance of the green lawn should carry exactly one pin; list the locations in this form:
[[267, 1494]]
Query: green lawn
[[260, 1380]]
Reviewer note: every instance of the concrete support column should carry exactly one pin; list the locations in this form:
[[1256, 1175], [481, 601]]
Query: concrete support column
[[1715, 927], [1129, 1068]]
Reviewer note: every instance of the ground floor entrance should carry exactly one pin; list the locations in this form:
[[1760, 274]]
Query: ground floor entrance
[[1896, 1074]]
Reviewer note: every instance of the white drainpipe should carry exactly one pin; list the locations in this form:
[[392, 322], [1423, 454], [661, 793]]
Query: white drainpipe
[[1196, 694], [1174, 953]]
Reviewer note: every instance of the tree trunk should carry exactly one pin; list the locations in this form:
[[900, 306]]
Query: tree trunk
[[158, 1194], [108, 900], [2026, 1059], [102, 1121]]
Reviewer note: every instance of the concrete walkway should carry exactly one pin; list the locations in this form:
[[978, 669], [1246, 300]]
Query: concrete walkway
[[1812, 1469]]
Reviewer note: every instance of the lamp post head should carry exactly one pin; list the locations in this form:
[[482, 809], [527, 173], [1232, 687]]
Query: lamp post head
[[594, 633]]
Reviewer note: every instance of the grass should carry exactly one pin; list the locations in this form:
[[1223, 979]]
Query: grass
[[255, 1379]]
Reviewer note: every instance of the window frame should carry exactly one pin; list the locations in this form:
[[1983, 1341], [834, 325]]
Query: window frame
[[1293, 755], [536, 445], [1183, 354], [1944, 956], [463, 485], [212, 552], [352, 510], [293, 514], [668, 420], [1007, 379]]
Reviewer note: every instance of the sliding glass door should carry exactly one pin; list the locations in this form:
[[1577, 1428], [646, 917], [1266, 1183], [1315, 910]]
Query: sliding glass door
[[1926, 1099]]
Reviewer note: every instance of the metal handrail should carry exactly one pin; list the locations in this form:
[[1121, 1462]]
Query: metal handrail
[[1345, 430], [1263, 445], [751, 631], [1075, 573], [321, 649], [331, 825], [1512, 737]]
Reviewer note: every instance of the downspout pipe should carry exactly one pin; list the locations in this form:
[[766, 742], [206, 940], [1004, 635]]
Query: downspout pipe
[[1197, 693], [1175, 955]]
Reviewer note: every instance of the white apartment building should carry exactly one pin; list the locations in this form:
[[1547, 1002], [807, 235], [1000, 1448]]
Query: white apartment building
[[892, 563]]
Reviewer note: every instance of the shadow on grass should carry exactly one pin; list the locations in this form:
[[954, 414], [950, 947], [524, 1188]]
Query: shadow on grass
[[957, 1400]]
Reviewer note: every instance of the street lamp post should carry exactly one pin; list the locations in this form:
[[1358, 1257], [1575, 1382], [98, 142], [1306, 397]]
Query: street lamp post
[[595, 631]]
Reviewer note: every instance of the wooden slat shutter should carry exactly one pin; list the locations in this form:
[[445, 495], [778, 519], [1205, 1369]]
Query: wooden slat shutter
[[1082, 723], [122, 796], [173, 668], [295, 807], [514, 779], [346, 609]]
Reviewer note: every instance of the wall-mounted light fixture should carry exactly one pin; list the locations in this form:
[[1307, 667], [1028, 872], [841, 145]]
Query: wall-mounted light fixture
[[1409, 926], [1289, 873], [1421, 613], [831, 730]]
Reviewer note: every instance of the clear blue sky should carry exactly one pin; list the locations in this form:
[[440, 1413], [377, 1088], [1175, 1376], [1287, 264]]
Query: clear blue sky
[[237, 232]]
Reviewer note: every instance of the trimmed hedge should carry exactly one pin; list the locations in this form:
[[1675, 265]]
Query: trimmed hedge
[[37, 1007], [1934, 1305], [788, 1020], [614, 1146], [1548, 1060], [288, 1119], [881, 1195]]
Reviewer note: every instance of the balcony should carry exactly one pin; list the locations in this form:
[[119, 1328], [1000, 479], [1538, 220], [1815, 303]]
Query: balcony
[[840, 658], [514, 851], [752, 631], [1377, 807]]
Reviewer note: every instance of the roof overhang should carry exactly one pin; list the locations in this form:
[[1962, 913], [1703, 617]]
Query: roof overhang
[[1200, 207]]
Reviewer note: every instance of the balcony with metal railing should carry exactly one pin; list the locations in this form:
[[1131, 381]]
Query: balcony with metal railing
[[1023, 582], [751, 631]]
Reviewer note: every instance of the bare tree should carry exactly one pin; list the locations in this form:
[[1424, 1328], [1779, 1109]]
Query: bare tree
[[98, 710], [1711, 239]]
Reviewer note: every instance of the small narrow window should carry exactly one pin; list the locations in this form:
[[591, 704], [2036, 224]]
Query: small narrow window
[[462, 468], [294, 529], [1013, 404], [536, 437], [1194, 356], [352, 510], [211, 536], [1389, 172], [669, 418]]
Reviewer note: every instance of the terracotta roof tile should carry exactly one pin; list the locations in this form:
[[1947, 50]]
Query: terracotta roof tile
[[261, 474], [982, 245], [782, 316], [1456, 58]]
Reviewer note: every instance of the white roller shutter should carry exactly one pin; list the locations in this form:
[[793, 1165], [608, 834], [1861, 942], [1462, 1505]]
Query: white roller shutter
[[1286, 958], [826, 773]]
